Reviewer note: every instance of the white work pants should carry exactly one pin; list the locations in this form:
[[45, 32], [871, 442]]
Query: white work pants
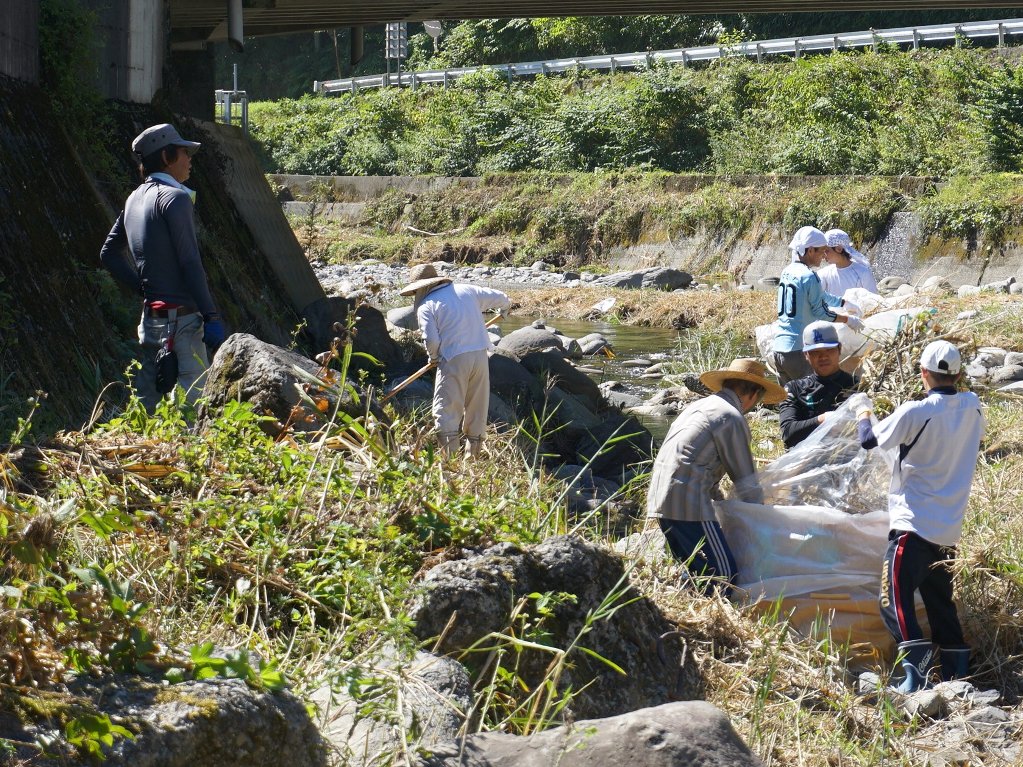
[[461, 395]]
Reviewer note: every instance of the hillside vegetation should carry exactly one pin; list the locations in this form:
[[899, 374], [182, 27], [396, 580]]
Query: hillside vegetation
[[931, 113]]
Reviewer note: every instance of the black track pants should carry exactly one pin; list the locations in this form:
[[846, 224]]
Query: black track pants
[[911, 564]]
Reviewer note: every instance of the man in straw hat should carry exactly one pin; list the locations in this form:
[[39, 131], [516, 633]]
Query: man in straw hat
[[456, 339], [708, 439], [153, 249], [934, 444], [801, 300]]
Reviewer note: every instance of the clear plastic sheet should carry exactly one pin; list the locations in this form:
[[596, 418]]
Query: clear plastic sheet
[[823, 526]]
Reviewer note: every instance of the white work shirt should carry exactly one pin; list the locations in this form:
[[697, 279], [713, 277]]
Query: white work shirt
[[934, 445], [836, 281], [450, 318]]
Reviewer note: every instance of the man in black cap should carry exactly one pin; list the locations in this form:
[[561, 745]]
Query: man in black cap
[[152, 247]]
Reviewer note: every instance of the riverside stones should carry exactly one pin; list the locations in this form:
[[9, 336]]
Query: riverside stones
[[463, 601], [219, 722], [251, 370], [436, 695], [661, 278], [687, 733]]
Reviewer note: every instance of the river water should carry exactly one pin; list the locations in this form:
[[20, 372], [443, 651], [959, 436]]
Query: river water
[[630, 343]]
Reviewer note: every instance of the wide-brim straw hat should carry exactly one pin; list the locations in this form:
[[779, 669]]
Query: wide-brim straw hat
[[422, 276], [746, 369]]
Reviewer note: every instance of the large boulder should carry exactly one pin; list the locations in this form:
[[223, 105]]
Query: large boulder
[[436, 696], [220, 722], [553, 368], [527, 340], [251, 370], [403, 317], [614, 444], [659, 278], [513, 383], [464, 601], [691, 733], [369, 334]]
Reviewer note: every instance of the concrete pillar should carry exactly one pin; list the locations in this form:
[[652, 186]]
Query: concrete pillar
[[19, 39], [133, 35]]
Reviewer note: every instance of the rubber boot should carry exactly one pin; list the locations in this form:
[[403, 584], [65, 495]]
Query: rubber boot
[[916, 662], [955, 663], [448, 443], [473, 446]]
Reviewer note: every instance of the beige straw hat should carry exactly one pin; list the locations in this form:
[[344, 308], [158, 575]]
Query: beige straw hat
[[746, 369], [422, 276]]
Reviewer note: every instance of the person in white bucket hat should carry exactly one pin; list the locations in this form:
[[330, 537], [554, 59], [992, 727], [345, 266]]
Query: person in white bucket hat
[[801, 300], [847, 267], [456, 339], [933, 444]]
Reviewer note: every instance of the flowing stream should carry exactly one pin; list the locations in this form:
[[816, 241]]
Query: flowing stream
[[630, 343]]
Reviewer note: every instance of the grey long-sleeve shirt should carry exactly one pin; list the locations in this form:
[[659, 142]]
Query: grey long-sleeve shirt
[[153, 249], [709, 438]]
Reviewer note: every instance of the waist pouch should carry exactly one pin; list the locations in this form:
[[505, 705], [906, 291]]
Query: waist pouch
[[167, 360]]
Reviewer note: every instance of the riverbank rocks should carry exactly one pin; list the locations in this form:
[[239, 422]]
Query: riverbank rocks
[[691, 733], [528, 340], [996, 367], [464, 601], [436, 696], [220, 722], [659, 278], [251, 370]]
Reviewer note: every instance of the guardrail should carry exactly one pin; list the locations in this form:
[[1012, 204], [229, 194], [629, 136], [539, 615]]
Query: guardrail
[[795, 46]]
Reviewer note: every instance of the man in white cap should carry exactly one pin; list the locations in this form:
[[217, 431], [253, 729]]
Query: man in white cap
[[934, 444], [811, 398], [153, 249], [801, 300], [457, 342], [847, 267], [708, 439]]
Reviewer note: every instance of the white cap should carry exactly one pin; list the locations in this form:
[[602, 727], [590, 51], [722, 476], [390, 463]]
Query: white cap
[[941, 357], [807, 237], [820, 335]]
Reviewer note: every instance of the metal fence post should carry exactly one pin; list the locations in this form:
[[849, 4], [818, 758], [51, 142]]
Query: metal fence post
[[760, 54], [1001, 35], [916, 39]]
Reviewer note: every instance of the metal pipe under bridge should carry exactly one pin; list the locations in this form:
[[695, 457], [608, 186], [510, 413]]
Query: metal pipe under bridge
[[794, 46]]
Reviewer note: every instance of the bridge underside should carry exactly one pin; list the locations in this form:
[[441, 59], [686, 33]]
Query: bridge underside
[[202, 20]]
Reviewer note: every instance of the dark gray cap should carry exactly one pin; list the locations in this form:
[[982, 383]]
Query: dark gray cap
[[156, 137]]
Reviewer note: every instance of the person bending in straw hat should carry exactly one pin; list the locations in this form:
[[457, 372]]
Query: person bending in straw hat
[[813, 397], [933, 444], [457, 342], [708, 439], [801, 300], [847, 267]]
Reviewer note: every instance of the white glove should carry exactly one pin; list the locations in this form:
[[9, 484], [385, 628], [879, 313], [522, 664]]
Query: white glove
[[855, 323], [851, 308], [503, 311], [860, 404]]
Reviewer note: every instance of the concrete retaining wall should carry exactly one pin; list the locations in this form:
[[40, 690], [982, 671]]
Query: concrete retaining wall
[[19, 39]]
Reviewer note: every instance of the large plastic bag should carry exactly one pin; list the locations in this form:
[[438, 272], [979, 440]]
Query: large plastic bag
[[823, 522]]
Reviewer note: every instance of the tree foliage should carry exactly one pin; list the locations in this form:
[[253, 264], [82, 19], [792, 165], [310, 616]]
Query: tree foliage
[[929, 113]]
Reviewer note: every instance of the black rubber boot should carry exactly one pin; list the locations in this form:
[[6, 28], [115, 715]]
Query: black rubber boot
[[955, 663]]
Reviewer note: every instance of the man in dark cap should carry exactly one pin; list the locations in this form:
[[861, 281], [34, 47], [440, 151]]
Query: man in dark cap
[[152, 248]]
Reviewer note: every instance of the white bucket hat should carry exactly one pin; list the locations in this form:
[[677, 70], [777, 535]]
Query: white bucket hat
[[806, 237], [839, 239]]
